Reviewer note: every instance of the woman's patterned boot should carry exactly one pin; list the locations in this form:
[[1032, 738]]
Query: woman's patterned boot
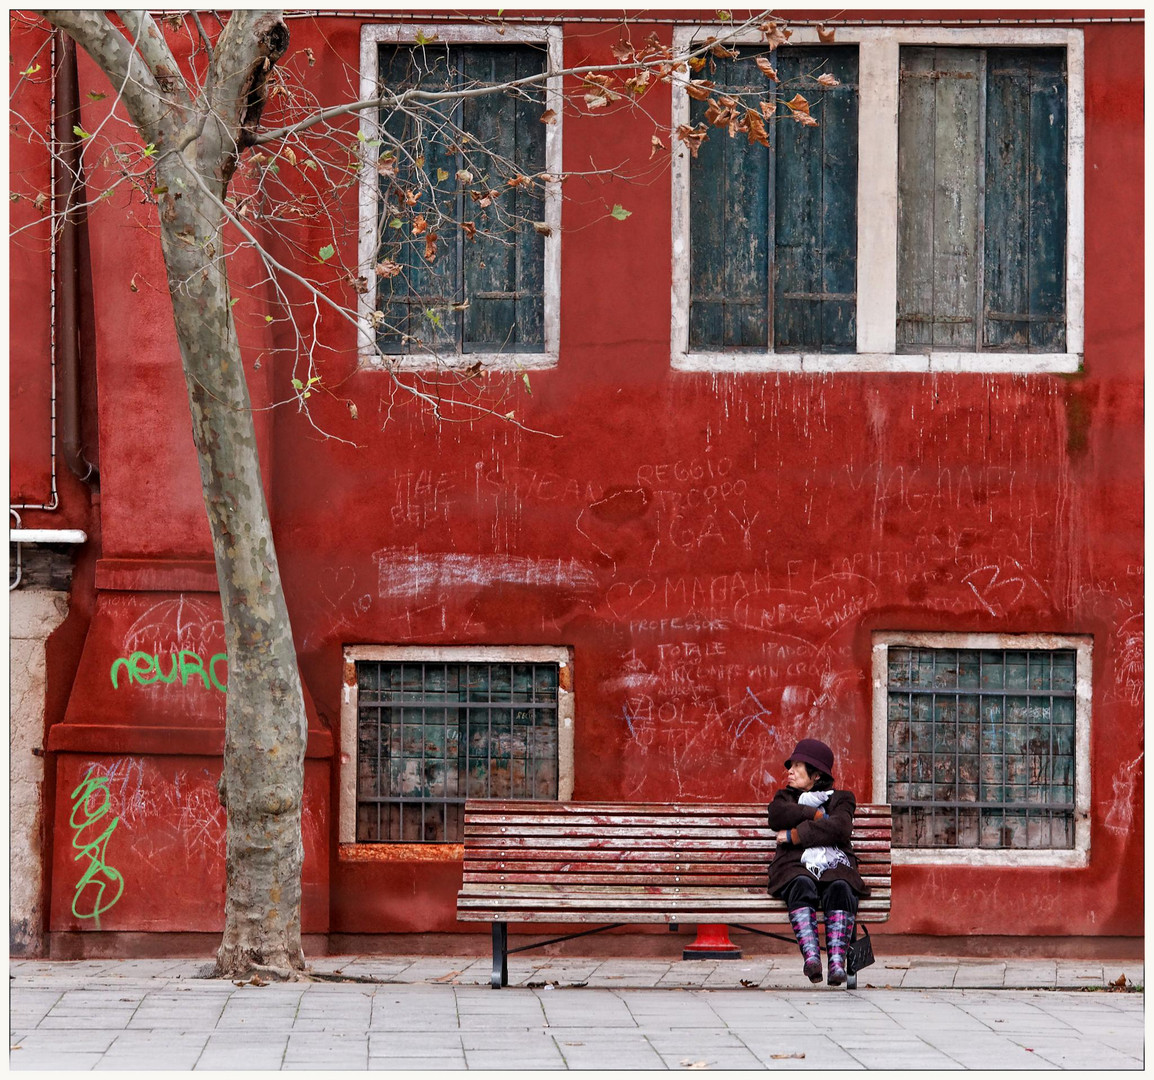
[[838, 931], [804, 923]]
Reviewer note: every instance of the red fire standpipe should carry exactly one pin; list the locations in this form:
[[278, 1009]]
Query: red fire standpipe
[[712, 943]]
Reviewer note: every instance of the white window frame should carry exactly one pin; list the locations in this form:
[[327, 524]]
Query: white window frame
[[374, 35], [1079, 854], [877, 218], [446, 654]]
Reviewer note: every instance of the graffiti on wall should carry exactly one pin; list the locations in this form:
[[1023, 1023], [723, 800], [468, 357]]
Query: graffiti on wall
[[175, 641], [147, 669], [91, 803]]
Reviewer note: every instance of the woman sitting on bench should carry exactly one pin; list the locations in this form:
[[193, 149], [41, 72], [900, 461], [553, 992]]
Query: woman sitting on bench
[[814, 864]]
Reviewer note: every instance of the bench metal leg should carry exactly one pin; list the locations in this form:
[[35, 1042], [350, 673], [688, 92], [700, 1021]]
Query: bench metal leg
[[500, 975]]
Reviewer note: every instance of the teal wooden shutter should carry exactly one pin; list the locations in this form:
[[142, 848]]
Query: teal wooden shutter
[[417, 303], [939, 136], [485, 293], [982, 200], [815, 234], [730, 223], [773, 232], [1025, 249], [504, 266]]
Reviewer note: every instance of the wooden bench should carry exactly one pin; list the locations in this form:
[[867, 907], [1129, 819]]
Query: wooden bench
[[618, 863]]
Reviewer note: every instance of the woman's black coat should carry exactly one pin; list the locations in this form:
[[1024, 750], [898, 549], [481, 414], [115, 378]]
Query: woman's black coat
[[833, 829]]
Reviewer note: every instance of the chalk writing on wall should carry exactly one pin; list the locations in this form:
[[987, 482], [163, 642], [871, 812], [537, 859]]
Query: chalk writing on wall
[[172, 625], [1120, 817], [91, 802], [148, 669]]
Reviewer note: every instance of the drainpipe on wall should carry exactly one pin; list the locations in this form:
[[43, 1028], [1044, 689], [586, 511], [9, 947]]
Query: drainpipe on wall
[[68, 182]]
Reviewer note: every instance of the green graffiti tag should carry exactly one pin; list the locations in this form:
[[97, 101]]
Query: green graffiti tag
[[99, 875], [145, 669]]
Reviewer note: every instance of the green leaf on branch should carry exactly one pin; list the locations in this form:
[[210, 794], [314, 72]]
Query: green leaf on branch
[[619, 212], [95, 95], [525, 380], [150, 149], [31, 70], [421, 39], [80, 133], [298, 385], [724, 16], [326, 253]]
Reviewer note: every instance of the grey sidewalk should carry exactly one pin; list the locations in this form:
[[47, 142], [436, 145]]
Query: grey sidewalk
[[439, 1013]]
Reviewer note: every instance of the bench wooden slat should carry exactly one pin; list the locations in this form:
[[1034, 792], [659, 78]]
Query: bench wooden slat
[[598, 863], [519, 808]]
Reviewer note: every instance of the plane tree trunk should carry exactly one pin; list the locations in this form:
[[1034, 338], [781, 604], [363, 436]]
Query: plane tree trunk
[[197, 137]]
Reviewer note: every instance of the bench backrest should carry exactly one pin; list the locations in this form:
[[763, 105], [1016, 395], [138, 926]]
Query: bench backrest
[[644, 849]]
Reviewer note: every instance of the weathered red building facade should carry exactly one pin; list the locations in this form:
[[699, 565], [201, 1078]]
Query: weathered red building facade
[[927, 553]]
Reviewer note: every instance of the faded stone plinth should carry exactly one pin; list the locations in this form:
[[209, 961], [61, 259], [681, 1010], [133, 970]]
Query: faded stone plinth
[[34, 614]]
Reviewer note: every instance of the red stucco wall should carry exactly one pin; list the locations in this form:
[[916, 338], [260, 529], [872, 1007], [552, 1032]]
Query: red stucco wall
[[716, 549]]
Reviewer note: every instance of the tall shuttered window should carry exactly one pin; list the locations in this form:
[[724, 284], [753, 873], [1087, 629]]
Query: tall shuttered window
[[982, 215], [463, 264], [773, 231]]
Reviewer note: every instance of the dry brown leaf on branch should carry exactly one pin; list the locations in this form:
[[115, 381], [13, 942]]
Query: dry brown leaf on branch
[[755, 128], [518, 181], [828, 80], [766, 68], [799, 109], [387, 268], [696, 63], [775, 33], [411, 197], [543, 227], [549, 116], [638, 83], [699, 89], [431, 247], [419, 224], [469, 229], [719, 50], [655, 144], [825, 34], [597, 91], [692, 137], [623, 51]]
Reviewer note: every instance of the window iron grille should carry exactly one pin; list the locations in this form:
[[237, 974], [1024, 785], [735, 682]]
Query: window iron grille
[[430, 735], [981, 747]]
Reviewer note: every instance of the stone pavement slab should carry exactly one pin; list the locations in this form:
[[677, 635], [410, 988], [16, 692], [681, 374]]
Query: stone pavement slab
[[432, 1014]]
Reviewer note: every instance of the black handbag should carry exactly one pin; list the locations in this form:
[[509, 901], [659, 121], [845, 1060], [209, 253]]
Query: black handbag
[[860, 952]]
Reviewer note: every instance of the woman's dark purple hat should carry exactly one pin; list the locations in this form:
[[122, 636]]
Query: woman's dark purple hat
[[813, 752]]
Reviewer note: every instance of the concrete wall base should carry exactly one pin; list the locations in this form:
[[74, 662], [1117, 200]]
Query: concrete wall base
[[33, 615]]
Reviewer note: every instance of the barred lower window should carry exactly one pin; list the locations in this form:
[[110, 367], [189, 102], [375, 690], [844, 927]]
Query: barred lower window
[[430, 734], [981, 747]]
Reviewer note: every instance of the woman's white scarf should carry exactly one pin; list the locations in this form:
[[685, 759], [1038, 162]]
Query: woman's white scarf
[[819, 859]]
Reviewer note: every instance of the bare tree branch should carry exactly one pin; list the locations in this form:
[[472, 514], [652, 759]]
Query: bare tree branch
[[114, 53], [148, 40]]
